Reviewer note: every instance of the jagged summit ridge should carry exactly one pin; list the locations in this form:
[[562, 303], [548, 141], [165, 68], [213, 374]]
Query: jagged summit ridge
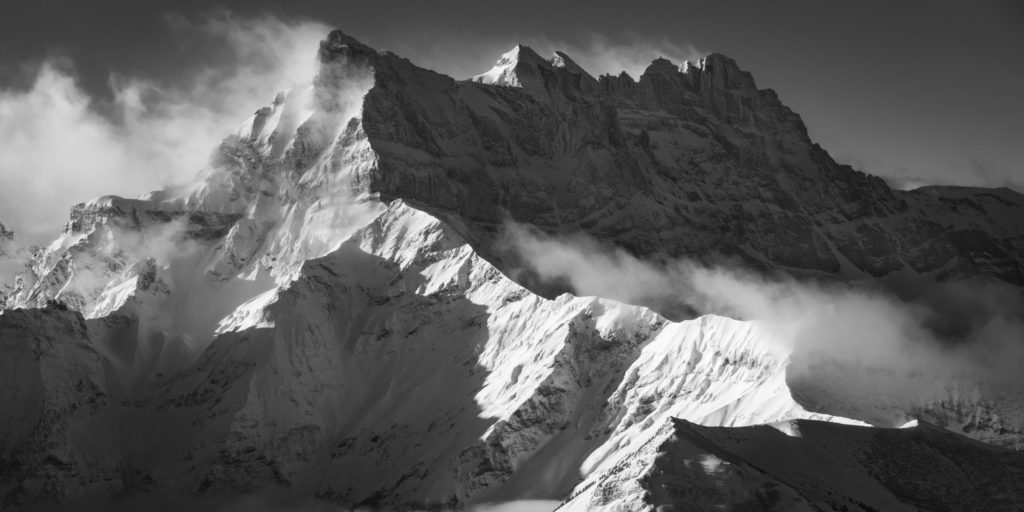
[[523, 67], [522, 58]]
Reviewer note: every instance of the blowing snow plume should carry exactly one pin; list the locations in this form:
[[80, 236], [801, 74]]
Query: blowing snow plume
[[59, 144], [939, 333]]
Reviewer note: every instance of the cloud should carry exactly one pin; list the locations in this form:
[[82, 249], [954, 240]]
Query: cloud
[[59, 148], [12, 262], [56, 151], [916, 325]]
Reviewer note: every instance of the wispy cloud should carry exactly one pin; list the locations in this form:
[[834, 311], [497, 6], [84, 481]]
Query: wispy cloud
[[58, 148]]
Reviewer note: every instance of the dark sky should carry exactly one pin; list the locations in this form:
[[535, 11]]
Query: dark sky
[[929, 90]]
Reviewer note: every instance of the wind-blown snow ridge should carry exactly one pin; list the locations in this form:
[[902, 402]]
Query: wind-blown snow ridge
[[404, 349]]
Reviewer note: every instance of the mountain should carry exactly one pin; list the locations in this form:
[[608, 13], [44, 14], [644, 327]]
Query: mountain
[[330, 307], [692, 161]]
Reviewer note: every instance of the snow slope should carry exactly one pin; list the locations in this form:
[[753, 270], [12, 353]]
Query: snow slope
[[403, 370], [811, 465]]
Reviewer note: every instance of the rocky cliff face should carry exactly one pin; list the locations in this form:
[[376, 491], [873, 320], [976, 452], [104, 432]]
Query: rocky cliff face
[[327, 308], [691, 161]]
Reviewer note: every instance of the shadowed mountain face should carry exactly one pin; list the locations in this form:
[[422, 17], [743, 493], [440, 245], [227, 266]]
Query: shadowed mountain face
[[689, 161], [810, 465], [328, 308]]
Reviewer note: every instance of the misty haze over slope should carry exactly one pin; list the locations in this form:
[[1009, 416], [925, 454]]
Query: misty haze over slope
[[359, 298]]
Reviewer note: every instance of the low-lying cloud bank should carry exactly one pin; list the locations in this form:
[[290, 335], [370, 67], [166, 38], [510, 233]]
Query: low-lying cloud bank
[[959, 329], [59, 148]]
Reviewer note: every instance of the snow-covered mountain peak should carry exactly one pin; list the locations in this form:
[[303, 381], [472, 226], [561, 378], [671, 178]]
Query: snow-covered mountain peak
[[329, 306], [401, 367], [519, 67]]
